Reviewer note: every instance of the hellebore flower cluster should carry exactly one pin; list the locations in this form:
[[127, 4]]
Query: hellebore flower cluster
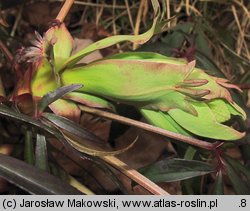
[[170, 93]]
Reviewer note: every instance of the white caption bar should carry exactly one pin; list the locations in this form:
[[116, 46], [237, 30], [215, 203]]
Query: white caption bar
[[122, 203]]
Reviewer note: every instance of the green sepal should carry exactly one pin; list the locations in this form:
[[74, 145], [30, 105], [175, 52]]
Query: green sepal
[[89, 100], [205, 123]]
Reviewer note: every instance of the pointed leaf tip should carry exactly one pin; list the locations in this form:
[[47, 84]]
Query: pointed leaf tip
[[57, 94]]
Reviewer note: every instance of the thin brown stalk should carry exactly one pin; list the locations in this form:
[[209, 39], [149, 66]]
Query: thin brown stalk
[[64, 10], [114, 25], [132, 174], [99, 12], [91, 4], [168, 12], [6, 51], [129, 15], [9, 57], [138, 21], [2, 91], [135, 175], [17, 21], [151, 128], [245, 9], [240, 39], [187, 7]]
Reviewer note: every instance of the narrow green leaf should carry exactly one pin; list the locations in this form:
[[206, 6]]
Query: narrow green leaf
[[202, 43], [245, 149], [89, 100], [204, 124], [31, 179], [41, 156], [59, 37], [156, 6], [239, 167], [66, 109], [57, 94], [220, 110], [75, 129], [109, 41], [81, 139], [40, 127], [147, 56], [150, 85], [176, 170], [28, 148], [177, 36], [204, 62], [236, 110], [239, 185], [190, 153], [43, 79], [74, 142], [163, 120], [6, 112], [219, 184]]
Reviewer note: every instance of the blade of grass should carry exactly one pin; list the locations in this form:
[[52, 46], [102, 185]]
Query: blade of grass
[[28, 148], [79, 186], [239, 185], [115, 162], [171, 170], [55, 95], [219, 184], [74, 128], [31, 179], [41, 159]]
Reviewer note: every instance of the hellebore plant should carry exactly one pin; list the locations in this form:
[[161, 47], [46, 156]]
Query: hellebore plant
[[170, 93]]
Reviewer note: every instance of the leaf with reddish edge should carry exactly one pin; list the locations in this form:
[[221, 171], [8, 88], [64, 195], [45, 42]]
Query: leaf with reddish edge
[[67, 109], [74, 129], [141, 83], [238, 166], [149, 56], [215, 88], [204, 124], [23, 83], [220, 110], [74, 142], [158, 83], [236, 110], [163, 120], [218, 188], [24, 103], [176, 170], [3, 99], [109, 41], [43, 79], [55, 95], [240, 186], [81, 139], [89, 100], [41, 154], [63, 44], [32, 179], [225, 83]]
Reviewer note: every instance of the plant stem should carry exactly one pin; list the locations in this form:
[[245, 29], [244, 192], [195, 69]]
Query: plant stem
[[6, 52], [64, 10], [135, 175], [151, 128]]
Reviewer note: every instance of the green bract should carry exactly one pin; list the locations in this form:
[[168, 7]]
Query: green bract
[[170, 93]]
